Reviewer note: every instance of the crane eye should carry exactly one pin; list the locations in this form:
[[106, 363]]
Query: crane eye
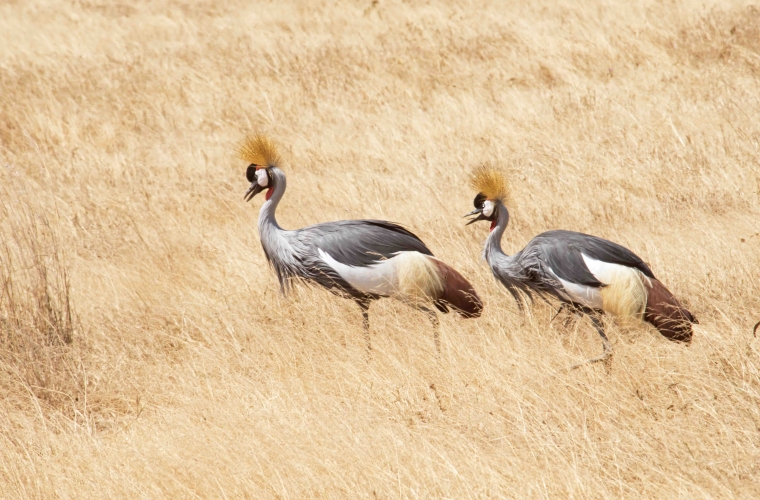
[[250, 173]]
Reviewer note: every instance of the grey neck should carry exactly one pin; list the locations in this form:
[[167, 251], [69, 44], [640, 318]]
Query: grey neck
[[493, 243], [267, 219]]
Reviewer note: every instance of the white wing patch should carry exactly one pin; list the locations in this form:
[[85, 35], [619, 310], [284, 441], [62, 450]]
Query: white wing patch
[[624, 295], [380, 278], [581, 294], [604, 271]]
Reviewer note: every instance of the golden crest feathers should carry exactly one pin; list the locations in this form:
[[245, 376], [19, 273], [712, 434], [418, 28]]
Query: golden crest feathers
[[259, 149], [491, 182]]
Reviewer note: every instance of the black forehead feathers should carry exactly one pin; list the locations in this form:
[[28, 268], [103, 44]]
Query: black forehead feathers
[[250, 173], [480, 198]]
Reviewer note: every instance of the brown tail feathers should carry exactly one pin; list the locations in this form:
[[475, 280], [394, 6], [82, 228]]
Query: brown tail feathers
[[457, 293], [667, 314]]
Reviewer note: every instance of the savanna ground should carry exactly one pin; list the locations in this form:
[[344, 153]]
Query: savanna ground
[[146, 351]]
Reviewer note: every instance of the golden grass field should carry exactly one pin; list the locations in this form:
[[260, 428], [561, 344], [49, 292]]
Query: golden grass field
[[146, 351]]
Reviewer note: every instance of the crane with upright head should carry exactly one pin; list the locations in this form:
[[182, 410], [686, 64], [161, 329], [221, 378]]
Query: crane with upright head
[[363, 260], [590, 275]]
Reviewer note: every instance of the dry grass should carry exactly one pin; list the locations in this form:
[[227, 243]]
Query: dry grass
[[181, 373]]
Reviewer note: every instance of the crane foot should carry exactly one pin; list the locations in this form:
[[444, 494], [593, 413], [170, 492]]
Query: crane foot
[[605, 356]]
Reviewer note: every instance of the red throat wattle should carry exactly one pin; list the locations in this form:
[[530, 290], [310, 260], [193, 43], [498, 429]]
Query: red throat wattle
[[269, 193], [493, 223]]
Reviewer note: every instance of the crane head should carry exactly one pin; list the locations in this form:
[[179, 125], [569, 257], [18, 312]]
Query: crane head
[[260, 178], [493, 188], [485, 209], [262, 155]]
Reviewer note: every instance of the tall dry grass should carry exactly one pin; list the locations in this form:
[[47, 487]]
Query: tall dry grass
[[146, 352], [36, 320]]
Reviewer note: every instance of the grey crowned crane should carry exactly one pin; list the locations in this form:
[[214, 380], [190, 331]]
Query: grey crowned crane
[[587, 274], [363, 260]]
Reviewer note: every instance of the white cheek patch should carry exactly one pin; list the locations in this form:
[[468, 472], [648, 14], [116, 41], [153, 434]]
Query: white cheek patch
[[488, 207], [262, 179]]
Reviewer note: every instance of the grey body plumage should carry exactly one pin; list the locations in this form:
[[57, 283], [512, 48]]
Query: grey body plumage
[[295, 254], [551, 255]]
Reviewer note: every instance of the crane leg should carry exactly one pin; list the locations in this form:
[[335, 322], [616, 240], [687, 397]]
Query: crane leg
[[572, 312], [607, 352], [436, 330], [436, 326], [365, 321], [561, 308]]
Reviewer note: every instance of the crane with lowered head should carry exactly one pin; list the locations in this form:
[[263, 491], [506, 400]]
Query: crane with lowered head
[[587, 274]]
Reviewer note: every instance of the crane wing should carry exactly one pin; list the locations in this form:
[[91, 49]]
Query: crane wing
[[361, 242], [563, 252]]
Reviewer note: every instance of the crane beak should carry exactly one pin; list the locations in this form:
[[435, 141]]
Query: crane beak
[[253, 191], [479, 213]]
